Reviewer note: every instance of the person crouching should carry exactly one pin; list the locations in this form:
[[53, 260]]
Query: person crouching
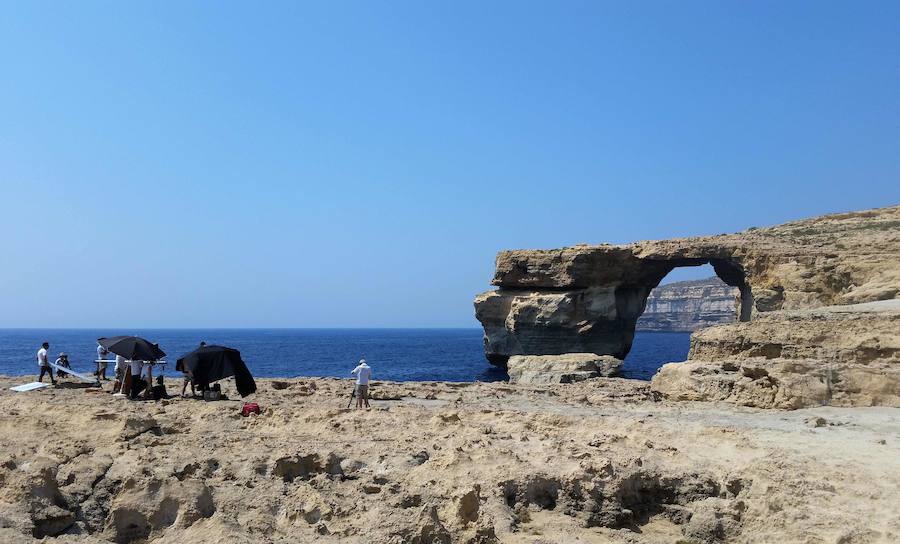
[[62, 361]]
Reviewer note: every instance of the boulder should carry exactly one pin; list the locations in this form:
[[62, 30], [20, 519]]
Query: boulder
[[568, 368]]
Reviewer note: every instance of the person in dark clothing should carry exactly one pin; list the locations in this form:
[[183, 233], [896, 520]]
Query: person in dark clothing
[[159, 390], [63, 361]]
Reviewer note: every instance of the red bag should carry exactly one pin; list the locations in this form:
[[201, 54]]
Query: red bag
[[250, 408]]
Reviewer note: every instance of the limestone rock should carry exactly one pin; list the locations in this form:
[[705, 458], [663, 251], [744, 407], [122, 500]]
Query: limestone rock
[[689, 305], [838, 356], [588, 298], [592, 461], [145, 507], [859, 333], [568, 368]]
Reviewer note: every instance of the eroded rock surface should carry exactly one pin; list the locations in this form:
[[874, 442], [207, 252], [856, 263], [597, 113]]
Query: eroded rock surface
[[587, 299], [568, 368], [594, 461], [836, 355]]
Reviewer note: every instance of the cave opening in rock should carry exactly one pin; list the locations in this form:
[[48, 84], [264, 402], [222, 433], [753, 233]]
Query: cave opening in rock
[[691, 295], [587, 299], [689, 298]]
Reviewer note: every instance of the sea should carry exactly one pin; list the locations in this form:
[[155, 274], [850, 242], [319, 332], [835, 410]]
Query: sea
[[454, 355]]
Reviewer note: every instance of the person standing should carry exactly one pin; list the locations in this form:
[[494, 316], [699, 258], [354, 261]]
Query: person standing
[[148, 366], [44, 363], [102, 353], [188, 379], [363, 373], [120, 374], [135, 366]]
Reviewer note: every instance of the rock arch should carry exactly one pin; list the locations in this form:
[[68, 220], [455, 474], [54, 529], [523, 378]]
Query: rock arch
[[586, 299], [582, 299]]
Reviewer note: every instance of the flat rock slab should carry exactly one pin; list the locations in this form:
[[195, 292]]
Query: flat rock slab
[[567, 368]]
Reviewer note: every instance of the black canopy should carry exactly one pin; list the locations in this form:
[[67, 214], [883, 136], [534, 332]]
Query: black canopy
[[132, 347], [211, 363]]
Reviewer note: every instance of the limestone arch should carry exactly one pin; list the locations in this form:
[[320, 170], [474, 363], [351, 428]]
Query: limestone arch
[[631, 298]]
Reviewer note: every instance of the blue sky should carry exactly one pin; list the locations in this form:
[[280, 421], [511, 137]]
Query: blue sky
[[194, 164]]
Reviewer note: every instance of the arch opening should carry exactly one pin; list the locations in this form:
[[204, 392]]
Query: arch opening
[[689, 296]]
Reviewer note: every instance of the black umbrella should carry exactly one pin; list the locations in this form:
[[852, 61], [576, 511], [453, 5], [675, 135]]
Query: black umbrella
[[132, 347], [211, 363]]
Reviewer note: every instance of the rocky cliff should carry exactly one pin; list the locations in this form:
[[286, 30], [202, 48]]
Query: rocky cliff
[[689, 305], [805, 335], [587, 299], [835, 355]]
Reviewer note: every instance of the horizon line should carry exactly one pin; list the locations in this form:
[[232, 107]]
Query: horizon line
[[235, 328]]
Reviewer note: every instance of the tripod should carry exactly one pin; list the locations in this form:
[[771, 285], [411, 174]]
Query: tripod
[[352, 395]]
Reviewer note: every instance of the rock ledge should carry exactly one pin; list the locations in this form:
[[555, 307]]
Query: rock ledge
[[567, 368]]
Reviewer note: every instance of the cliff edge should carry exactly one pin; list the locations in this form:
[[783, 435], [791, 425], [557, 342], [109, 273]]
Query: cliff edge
[[685, 306], [587, 299]]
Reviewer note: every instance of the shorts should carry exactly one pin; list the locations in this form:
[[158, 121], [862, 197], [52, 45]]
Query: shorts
[[120, 373], [362, 390]]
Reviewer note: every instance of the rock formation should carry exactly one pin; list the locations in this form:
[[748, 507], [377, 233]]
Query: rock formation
[[689, 305], [805, 335], [569, 368], [587, 299], [835, 355]]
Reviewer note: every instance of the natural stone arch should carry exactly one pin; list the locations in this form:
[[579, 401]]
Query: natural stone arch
[[728, 270], [585, 299], [581, 301]]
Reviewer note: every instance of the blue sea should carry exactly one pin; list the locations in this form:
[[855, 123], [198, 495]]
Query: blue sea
[[454, 355]]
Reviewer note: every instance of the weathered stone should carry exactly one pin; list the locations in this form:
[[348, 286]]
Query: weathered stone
[[858, 333], [838, 356], [568, 368], [588, 298], [689, 305]]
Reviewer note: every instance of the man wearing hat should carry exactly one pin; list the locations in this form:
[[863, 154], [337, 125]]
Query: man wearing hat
[[63, 361], [363, 373]]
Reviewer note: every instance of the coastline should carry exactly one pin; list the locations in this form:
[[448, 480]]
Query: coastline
[[597, 461]]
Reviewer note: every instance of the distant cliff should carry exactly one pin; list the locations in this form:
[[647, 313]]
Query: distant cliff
[[688, 306]]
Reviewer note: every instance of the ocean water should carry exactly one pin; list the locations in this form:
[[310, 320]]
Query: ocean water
[[651, 350], [395, 354]]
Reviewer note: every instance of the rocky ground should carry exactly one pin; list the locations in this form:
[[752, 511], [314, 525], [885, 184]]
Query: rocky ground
[[837, 355], [597, 461]]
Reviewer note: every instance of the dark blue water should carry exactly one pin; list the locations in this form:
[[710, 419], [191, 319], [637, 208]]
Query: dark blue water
[[651, 350], [395, 354]]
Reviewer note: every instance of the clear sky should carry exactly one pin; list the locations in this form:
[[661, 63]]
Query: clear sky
[[187, 164]]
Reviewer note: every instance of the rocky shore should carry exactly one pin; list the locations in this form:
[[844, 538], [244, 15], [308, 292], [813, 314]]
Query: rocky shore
[[702, 454], [600, 460], [817, 302]]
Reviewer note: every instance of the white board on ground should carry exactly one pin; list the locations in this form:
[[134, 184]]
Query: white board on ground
[[28, 386], [82, 377]]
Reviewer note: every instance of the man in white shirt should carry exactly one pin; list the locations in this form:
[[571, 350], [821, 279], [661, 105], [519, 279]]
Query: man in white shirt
[[102, 353], [44, 363], [363, 373]]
